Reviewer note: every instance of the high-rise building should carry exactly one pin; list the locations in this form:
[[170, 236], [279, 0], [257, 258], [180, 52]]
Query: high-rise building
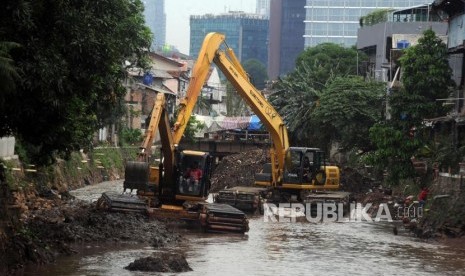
[[337, 21], [246, 34], [263, 7], [287, 31], [155, 18]]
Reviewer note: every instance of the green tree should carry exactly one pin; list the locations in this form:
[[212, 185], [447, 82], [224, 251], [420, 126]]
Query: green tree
[[8, 70], [426, 78], [347, 109], [318, 65], [257, 73], [296, 108], [193, 126], [131, 136], [235, 105], [70, 67], [297, 94]]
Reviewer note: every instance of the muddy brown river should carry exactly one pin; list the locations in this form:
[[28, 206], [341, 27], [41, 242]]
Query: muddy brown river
[[347, 248]]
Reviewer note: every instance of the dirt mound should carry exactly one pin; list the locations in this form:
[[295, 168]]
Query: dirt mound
[[239, 169], [78, 221], [47, 233], [161, 262]]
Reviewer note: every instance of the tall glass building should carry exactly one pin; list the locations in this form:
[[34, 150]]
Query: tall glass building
[[246, 34], [263, 7], [287, 30], [337, 21], [155, 18]]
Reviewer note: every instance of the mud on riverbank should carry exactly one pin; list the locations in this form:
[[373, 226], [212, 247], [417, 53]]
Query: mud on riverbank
[[48, 233]]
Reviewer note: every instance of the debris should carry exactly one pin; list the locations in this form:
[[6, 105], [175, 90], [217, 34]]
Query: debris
[[239, 169], [161, 262]]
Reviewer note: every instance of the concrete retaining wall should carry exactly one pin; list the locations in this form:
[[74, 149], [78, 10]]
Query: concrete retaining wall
[[450, 184], [7, 148]]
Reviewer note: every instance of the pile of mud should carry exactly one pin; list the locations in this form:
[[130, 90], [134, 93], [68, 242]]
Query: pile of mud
[[239, 169], [78, 221], [47, 233], [161, 262]]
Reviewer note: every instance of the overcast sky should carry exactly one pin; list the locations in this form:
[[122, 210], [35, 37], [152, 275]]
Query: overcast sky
[[178, 12]]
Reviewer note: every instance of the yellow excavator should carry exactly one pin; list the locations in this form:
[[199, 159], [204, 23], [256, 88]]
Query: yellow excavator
[[161, 186], [163, 191], [292, 170]]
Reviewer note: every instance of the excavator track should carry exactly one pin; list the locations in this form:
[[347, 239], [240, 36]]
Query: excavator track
[[217, 217], [213, 217], [122, 203]]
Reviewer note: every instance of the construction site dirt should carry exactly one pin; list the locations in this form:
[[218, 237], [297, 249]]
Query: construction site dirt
[[238, 169]]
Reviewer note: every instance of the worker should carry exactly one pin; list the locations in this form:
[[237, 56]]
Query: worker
[[193, 176], [422, 197], [306, 174]]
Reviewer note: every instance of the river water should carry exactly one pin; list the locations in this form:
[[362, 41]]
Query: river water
[[343, 248]]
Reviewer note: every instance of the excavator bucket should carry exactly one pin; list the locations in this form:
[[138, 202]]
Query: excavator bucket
[[137, 178], [136, 175]]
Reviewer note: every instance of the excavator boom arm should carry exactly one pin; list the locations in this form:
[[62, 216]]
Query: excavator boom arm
[[199, 75], [226, 60]]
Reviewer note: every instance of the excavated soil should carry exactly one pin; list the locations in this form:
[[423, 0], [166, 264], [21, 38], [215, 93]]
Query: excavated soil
[[48, 232], [77, 221], [161, 262], [239, 169]]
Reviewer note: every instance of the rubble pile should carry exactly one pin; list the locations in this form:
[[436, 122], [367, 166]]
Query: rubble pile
[[79, 221], [51, 231], [161, 262], [239, 169]]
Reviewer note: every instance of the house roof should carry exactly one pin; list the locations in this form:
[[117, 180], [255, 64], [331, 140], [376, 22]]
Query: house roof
[[157, 56], [161, 74], [157, 88]]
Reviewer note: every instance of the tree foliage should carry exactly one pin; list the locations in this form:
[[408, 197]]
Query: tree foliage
[[394, 150], [235, 105], [347, 109], [130, 136], [193, 126], [426, 77], [375, 17], [257, 72], [296, 108], [318, 65], [8, 70], [70, 67], [299, 92]]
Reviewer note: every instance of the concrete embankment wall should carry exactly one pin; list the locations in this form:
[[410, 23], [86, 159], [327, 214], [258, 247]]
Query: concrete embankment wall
[[449, 184], [7, 148]]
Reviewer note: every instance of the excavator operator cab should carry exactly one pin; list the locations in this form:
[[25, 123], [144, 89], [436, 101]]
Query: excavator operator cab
[[194, 173], [304, 165]]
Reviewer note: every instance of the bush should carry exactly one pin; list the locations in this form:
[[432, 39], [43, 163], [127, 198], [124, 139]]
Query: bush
[[131, 136]]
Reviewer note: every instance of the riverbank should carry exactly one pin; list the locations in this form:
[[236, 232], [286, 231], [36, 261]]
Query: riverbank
[[57, 230], [40, 220]]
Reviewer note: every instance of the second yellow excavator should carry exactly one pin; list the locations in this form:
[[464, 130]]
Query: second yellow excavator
[[293, 171]]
